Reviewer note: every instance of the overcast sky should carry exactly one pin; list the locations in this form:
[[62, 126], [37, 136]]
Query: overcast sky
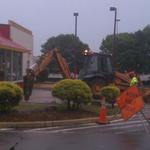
[[47, 18]]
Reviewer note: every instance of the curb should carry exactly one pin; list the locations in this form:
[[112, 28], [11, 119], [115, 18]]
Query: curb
[[39, 124], [44, 86]]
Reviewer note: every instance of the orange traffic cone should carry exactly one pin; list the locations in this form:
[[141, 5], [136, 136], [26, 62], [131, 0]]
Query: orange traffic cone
[[102, 116], [103, 112]]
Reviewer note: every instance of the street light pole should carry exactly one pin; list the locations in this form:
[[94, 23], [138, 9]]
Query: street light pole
[[117, 26], [76, 15], [75, 61], [114, 34]]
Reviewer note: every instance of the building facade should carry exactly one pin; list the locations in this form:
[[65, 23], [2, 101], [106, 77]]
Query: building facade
[[16, 49]]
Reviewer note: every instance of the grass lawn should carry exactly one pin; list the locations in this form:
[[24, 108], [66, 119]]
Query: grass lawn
[[45, 112], [96, 108], [26, 107]]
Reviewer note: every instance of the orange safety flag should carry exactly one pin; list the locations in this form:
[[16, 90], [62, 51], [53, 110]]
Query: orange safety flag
[[135, 106], [127, 96], [130, 102]]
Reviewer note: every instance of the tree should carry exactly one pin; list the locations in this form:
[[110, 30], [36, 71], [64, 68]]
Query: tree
[[110, 93], [71, 49], [10, 95], [132, 50], [72, 91]]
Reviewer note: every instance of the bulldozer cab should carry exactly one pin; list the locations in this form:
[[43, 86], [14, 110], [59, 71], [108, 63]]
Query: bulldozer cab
[[97, 65], [97, 71]]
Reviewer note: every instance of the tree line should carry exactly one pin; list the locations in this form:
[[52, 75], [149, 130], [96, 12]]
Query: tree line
[[71, 49], [132, 50]]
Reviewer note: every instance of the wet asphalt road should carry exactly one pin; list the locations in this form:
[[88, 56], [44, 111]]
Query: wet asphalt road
[[76, 141], [118, 135]]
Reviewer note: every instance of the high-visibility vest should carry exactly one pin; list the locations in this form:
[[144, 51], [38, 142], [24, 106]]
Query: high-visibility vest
[[134, 81]]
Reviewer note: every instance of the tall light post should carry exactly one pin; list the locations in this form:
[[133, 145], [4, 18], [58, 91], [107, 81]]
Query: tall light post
[[117, 25], [76, 15], [114, 34], [75, 61]]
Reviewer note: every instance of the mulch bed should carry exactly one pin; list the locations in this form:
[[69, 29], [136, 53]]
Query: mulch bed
[[46, 115]]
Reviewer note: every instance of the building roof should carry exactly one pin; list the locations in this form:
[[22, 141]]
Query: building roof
[[11, 45], [19, 27]]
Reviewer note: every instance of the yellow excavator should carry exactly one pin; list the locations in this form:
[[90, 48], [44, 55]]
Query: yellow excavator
[[97, 71]]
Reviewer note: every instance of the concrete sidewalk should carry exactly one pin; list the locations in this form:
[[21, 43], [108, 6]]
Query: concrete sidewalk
[[40, 95]]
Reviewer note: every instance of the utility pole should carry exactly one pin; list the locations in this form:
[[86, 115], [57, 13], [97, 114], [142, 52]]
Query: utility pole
[[76, 15], [75, 61], [114, 34]]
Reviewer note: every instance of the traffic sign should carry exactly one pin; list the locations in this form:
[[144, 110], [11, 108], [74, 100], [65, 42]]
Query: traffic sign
[[130, 102]]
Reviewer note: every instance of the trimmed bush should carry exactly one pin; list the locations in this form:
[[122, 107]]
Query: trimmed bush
[[73, 91], [10, 95], [110, 93]]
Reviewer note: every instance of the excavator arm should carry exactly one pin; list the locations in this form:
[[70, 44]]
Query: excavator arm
[[122, 80], [46, 60], [63, 65], [41, 65]]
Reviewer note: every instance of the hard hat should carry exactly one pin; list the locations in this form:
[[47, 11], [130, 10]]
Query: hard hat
[[131, 74]]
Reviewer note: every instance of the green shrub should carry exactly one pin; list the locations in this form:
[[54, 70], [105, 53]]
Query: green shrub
[[10, 95], [74, 91], [110, 93]]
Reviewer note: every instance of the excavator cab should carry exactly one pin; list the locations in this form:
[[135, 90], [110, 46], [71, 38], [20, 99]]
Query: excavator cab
[[97, 71]]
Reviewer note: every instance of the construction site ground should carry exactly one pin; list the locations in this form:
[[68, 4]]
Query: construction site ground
[[42, 106], [41, 110]]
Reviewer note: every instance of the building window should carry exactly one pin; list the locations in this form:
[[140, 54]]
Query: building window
[[2, 65], [17, 66], [10, 65]]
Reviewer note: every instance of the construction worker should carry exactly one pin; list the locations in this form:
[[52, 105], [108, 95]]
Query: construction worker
[[134, 80], [28, 84]]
